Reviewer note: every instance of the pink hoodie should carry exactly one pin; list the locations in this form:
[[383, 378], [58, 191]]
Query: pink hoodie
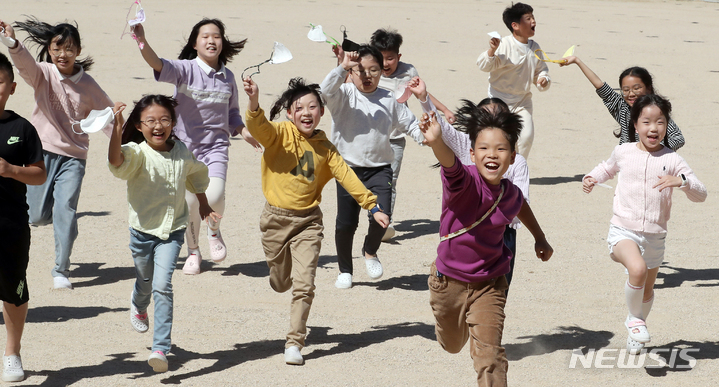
[[58, 101]]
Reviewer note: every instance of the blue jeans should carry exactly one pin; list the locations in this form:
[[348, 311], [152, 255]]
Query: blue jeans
[[510, 240], [56, 202], [155, 261]]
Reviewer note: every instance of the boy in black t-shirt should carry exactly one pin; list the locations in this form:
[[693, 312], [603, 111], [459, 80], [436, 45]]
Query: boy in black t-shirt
[[20, 163]]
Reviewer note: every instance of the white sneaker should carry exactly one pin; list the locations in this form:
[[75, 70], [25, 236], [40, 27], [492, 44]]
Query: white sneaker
[[61, 283], [12, 369], [637, 330], [158, 361], [293, 356], [344, 281], [388, 234]]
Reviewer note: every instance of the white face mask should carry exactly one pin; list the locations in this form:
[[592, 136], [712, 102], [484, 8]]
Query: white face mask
[[95, 121], [402, 92], [10, 42], [280, 54]]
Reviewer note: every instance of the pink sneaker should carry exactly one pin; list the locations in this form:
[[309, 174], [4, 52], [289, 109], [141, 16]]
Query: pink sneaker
[[218, 251], [192, 264]]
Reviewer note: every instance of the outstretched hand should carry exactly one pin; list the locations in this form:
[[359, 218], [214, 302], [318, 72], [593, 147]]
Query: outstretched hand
[[431, 130], [117, 111], [350, 60], [417, 86], [139, 32], [207, 213], [9, 31], [569, 60], [253, 91], [339, 53]]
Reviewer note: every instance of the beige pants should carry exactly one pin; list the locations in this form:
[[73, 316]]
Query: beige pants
[[292, 242], [463, 310]]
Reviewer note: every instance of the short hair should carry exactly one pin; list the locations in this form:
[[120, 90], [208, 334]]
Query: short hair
[[296, 89], [129, 130], [6, 66], [386, 40], [367, 50], [648, 100], [472, 119], [229, 48], [514, 13]]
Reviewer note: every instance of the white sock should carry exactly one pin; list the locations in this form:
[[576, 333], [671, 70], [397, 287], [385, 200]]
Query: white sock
[[634, 297], [647, 307], [213, 234], [195, 251]]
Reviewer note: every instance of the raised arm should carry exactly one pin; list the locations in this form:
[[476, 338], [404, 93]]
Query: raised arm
[[148, 54], [591, 76], [114, 153], [433, 134]]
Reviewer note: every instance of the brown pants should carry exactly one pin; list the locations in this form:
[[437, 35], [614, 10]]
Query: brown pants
[[475, 310], [292, 242]]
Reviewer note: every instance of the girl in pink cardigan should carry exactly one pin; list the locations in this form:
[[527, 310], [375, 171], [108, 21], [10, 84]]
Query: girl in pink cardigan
[[642, 203]]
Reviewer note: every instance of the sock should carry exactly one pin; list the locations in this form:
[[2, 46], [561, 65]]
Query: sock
[[191, 251], [647, 307], [634, 295], [213, 234]]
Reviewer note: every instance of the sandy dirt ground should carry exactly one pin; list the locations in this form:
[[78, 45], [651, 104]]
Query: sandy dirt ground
[[229, 326]]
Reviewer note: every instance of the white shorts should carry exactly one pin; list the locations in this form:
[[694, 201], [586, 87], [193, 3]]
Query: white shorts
[[651, 245]]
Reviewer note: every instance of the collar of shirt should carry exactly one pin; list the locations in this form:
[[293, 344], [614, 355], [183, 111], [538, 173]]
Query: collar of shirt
[[207, 69], [74, 78]]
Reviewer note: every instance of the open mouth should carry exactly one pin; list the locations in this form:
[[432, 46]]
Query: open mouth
[[491, 166], [307, 123]]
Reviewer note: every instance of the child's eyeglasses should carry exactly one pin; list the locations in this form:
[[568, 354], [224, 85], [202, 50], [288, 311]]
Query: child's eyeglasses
[[370, 73], [69, 52], [636, 90], [164, 122]]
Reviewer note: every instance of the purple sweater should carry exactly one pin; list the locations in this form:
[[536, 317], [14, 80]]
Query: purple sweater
[[479, 254]]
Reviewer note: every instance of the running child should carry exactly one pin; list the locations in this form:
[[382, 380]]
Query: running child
[[20, 164], [297, 163], [158, 211], [208, 113], [467, 283], [394, 73], [513, 69], [460, 144], [634, 82], [363, 117], [64, 95], [650, 171]]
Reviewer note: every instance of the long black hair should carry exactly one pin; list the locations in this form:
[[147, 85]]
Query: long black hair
[[42, 34], [229, 48], [648, 100], [295, 89], [129, 130]]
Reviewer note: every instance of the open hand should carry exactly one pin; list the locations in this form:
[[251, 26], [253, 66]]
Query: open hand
[[381, 218], [350, 60], [431, 130], [667, 181]]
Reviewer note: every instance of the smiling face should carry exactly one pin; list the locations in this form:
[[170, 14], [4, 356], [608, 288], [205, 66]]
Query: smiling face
[[63, 55], [633, 88], [525, 28], [306, 112], [492, 154], [391, 61], [156, 126], [366, 74], [651, 128], [209, 45]]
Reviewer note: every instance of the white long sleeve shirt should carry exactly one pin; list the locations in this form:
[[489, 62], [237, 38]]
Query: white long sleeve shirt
[[512, 71], [362, 122]]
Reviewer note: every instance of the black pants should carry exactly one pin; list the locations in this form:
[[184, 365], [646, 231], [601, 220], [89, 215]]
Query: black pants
[[510, 240], [379, 181]]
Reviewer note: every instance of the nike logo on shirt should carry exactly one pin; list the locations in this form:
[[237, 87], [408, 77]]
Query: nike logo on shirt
[[13, 140]]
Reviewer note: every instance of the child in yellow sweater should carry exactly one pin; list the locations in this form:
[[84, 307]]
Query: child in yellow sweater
[[297, 163]]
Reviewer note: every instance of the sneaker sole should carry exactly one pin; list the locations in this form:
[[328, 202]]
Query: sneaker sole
[[13, 378], [158, 365]]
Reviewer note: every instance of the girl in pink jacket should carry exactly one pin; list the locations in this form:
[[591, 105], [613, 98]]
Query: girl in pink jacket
[[642, 203]]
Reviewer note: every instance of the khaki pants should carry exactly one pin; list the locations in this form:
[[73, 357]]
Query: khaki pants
[[292, 242], [463, 310]]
